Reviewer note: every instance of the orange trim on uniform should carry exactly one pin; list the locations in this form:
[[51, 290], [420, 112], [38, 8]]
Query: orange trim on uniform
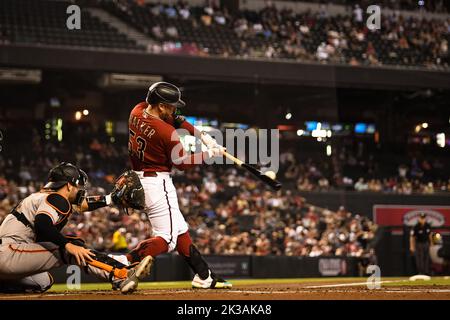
[[47, 213], [74, 237], [57, 210], [65, 217], [31, 251]]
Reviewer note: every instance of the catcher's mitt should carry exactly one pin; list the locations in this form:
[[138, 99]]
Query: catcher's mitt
[[128, 191]]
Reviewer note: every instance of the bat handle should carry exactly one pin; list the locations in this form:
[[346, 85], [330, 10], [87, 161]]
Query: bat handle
[[234, 159]]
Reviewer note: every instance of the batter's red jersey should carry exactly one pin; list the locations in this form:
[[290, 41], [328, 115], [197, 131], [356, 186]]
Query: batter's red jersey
[[151, 141]]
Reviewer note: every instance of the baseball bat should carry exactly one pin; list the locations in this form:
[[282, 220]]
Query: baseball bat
[[274, 184]]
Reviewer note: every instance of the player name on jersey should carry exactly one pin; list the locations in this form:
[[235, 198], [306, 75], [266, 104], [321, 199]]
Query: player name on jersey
[[144, 128]]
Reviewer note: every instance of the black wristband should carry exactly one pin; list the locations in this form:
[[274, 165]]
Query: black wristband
[[96, 202], [178, 120]]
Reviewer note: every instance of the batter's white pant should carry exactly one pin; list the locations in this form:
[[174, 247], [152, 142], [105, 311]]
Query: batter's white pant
[[162, 209]]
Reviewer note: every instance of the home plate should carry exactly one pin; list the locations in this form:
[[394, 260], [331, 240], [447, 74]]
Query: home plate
[[420, 277]]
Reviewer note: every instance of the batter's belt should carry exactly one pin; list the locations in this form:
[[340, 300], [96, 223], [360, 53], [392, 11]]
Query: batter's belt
[[150, 174]]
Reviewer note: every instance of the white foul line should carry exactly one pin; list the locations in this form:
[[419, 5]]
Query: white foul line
[[351, 284]]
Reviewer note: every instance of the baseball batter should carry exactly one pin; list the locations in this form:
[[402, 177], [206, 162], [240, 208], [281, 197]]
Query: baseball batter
[[155, 148], [31, 242]]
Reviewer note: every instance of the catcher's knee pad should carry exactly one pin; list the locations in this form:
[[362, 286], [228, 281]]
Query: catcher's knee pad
[[47, 285], [196, 262]]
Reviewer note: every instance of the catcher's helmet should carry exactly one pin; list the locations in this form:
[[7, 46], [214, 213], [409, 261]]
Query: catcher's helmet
[[164, 92], [66, 173]]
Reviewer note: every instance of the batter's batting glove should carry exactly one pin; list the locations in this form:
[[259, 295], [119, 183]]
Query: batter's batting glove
[[128, 191], [208, 141], [216, 151]]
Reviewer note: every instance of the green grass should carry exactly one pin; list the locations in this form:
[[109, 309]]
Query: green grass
[[435, 281]]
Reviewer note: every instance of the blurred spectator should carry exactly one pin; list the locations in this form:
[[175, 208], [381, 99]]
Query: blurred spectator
[[357, 14], [119, 241], [172, 32]]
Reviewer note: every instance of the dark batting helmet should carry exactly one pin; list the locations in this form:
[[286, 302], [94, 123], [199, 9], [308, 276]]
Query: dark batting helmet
[[164, 92], [66, 173]]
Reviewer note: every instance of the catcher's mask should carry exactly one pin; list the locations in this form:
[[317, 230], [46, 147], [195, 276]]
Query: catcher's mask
[[65, 173], [164, 92]]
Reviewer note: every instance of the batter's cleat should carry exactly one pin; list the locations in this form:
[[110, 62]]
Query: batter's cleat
[[136, 274], [212, 282], [117, 282]]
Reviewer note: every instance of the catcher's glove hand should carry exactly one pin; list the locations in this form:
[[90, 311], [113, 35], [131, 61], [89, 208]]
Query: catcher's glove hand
[[128, 191]]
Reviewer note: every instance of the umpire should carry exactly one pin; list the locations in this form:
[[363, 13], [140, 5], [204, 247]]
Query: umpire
[[419, 244]]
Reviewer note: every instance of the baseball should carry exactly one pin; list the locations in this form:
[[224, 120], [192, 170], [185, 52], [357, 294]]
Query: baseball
[[271, 174]]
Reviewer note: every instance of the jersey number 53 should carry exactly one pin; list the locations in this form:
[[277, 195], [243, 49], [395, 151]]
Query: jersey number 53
[[141, 144]]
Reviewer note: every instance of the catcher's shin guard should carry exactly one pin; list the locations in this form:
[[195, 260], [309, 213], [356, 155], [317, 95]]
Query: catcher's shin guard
[[197, 263], [114, 269]]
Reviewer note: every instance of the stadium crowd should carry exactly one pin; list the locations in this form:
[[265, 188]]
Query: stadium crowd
[[440, 6], [347, 171], [229, 213], [281, 33]]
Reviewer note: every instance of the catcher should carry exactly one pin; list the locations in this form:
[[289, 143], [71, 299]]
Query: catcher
[[31, 242]]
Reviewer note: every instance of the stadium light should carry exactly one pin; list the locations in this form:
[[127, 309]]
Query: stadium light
[[85, 112], [425, 125], [440, 139], [58, 128], [77, 115]]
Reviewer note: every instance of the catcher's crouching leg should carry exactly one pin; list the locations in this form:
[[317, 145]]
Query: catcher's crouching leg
[[204, 278], [122, 276], [37, 283]]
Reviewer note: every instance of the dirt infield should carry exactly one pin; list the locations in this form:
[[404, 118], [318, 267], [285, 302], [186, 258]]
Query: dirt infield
[[275, 291]]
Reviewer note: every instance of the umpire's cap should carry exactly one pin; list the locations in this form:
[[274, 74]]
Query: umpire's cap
[[164, 92], [66, 173]]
